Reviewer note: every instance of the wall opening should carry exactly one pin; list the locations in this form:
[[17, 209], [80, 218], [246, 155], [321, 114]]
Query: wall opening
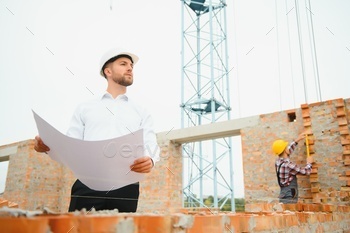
[[3, 175], [190, 170], [292, 117]]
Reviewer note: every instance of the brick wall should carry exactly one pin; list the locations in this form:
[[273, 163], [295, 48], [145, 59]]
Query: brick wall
[[328, 143], [162, 190], [311, 218], [35, 181]]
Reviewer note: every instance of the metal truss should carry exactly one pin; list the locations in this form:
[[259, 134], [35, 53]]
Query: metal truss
[[205, 99]]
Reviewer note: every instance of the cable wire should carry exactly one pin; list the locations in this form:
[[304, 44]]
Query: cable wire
[[278, 57], [301, 50], [314, 58], [290, 56]]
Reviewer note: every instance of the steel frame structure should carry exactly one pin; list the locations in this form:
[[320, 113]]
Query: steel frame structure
[[205, 99]]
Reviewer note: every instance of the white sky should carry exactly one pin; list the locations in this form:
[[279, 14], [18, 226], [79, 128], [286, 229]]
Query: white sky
[[49, 54]]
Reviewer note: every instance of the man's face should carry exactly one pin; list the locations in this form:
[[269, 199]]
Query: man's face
[[120, 71]]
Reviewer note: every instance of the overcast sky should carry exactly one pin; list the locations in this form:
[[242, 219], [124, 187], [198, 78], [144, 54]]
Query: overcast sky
[[49, 54]]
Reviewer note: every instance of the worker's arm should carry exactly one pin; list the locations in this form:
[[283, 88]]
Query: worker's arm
[[296, 169]]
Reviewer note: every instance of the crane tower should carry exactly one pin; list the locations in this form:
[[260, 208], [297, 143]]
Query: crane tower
[[205, 99]]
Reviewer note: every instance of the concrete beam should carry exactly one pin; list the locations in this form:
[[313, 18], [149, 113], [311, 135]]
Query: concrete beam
[[208, 131], [6, 152]]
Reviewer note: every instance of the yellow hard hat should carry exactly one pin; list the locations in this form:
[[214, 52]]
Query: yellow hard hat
[[278, 146]]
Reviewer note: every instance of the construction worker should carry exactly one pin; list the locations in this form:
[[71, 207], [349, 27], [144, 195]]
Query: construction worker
[[287, 170]]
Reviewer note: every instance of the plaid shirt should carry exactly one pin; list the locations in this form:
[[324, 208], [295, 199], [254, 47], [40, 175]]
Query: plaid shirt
[[290, 169]]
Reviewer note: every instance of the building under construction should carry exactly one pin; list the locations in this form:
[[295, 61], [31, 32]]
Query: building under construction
[[37, 191], [35, 182]]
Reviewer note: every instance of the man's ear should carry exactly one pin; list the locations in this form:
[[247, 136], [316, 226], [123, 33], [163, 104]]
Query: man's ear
[[107, 71]]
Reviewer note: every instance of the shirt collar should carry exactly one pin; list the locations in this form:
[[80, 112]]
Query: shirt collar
[[284, 159], [106, 94]]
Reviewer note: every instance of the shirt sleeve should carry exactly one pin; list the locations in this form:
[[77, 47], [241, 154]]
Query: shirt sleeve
[[150, 139], [296, 169], [291, 147], [76, 127]]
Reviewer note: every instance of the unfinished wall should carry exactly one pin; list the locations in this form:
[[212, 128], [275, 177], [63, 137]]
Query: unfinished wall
[[328, 142], [35, 181], [162, 190], [307, 218]]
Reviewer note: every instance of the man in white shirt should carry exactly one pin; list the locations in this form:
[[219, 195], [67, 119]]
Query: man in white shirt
[[111, 115]]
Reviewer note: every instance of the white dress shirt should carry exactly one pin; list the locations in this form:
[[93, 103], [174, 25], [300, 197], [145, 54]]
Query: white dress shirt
[[105, 118]]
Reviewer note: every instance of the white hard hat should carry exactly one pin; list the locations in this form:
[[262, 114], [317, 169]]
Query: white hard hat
[[113, 53]]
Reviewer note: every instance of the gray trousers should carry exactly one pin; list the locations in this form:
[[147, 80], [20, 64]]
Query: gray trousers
[[289, 194]]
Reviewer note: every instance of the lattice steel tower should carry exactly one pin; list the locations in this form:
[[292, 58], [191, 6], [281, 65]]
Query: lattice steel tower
[[205, 99]]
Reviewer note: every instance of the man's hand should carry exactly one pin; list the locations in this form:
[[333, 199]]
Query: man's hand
[[142, 165], [302, 135], [39, 145], [310, 159]]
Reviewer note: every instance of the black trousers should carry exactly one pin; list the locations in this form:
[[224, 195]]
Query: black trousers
[[124, 199]]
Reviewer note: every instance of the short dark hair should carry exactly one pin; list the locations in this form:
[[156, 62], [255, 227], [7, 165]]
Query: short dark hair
[[113, 59]]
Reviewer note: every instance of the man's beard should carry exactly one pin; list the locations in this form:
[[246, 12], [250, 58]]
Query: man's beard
[[123, 81]]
